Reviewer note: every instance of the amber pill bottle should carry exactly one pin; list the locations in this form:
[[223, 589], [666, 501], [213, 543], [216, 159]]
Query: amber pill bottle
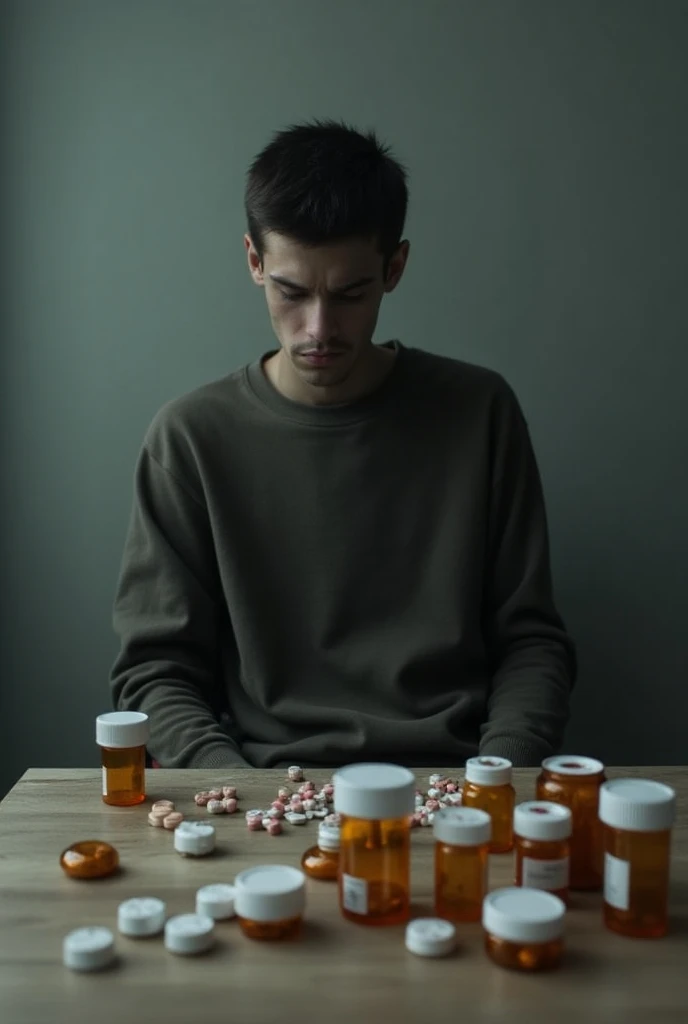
[[575, 782], [524, 929], [462, 838], [375, 802], [122, 738], [488, 787], [269, 901], [322, 861], [637, 817], [542, 831]]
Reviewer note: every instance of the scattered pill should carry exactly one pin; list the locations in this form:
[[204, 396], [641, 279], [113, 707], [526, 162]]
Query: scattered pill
[[230, 803], [173, 821], [162, 805], [283, 793], [88, 949], [434, 779], [90, 859], [229, 792], [295, 818], [188, 934], [215, 794], [141, 916], [430, 936], [216, 901], [274, 827], [215, 806], [294, 773], [157, 819], [194, 839]]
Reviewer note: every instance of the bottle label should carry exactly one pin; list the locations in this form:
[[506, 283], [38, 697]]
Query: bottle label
[[545, 874], [105, 789], [354, 894], [617, 882]]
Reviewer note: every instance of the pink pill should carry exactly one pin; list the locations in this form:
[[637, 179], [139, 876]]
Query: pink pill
[[274, 827], [172, 820], [328, 789], [309, 804], [229, 792], [283, 793], [215, 794], [254, 824], [156, 820], [201, 799], [161, 805], [451, 787], [297, 807], [230, 804], [432, 804]]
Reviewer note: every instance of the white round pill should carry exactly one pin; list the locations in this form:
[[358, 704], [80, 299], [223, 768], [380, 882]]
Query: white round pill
[[88, 949], [216, 901], [141, 916], [187, 934], [430, 936], [295, 818], [194, 838]]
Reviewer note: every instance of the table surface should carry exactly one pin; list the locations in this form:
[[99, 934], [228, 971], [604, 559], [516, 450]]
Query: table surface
[[336, 969]]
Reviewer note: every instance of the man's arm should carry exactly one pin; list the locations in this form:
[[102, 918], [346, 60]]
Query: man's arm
[[167, 608], [532, 658]]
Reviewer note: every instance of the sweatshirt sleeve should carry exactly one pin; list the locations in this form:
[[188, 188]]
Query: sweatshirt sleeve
[[167, 609], [533, 663]]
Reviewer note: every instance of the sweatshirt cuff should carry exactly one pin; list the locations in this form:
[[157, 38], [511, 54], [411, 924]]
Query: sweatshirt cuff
[[219, 755], [521, 753]]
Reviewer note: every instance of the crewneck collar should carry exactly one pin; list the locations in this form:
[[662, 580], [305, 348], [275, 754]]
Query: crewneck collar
[[342, 414]]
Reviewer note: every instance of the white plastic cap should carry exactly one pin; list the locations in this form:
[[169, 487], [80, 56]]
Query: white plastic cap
[[189, 933], [141, 916], [216, 901], [328, 836], [540, 819], [488, 771], [523, 915], [638, 805], [122, 729], [462, 826], [374, 791], [195, 838], [572, 764], [430, 936], [88, 949], [270, 892]]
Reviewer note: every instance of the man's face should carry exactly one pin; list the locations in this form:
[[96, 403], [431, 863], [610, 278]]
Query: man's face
[[323, 303]]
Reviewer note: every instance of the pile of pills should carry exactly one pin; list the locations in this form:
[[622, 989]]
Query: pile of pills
[[442, 792], [163, 815], [221, 800], [294, 806]]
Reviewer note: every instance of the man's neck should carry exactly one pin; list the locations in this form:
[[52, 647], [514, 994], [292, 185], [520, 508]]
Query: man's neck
[[366, 376]]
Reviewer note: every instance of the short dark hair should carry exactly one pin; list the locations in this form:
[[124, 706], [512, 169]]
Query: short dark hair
[[322, 182]]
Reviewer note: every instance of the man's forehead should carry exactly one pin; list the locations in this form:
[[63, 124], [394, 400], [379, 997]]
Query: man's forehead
[[355, 256]]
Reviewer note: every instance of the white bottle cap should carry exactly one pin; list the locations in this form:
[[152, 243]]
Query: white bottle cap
[[462, 826], [88, 949], [216, 901], [270, 892], [488, 771], [523, 915], [374, 791], [195, 838], [540, 819], [638, 805], [141, 916], [328, 836], [122, 729], [189, 933], [430, 936], [572, 764]]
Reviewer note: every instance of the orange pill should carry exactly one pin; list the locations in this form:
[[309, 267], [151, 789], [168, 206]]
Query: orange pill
[[89, 859]]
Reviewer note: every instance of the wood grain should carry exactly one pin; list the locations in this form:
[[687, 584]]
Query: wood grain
[[337, 969]]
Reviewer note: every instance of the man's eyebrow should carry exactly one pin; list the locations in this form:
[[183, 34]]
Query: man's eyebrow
[[360, 283]]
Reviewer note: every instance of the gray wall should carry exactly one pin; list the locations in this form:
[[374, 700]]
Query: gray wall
[[547, 145]]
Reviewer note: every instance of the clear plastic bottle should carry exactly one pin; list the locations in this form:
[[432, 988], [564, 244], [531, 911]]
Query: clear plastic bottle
[[462, 838], [269, 901], [524, 929], [122, 737], [488, 787], [637, 817], [575, 782], [375, 802], [542, 830], [322, 861]]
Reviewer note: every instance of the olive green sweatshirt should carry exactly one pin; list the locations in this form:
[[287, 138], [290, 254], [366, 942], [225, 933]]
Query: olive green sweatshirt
[[327, 584]]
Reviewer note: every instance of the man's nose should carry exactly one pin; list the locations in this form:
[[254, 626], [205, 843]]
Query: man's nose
[[320, 322]]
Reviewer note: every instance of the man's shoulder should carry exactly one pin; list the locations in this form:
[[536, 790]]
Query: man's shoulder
[[451, 376]]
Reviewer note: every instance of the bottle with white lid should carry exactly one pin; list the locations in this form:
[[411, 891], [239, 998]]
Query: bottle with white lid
[[88, 949], [142, 916], [194, 838], [637, 817], [322, 861], [462, 839], [575, 781], [542, 830], [269, 901], [122, 737], [376, 802], [524, 928], [189, 934], [488, 786]]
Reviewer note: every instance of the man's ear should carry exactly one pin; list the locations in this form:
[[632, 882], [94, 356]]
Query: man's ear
[[397, 265], [255, 264]]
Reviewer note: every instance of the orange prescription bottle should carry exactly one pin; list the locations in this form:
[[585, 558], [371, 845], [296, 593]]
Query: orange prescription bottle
[[637, 816], [375, 802], [269, 901], [322, 861], [462, 837], [488, 787], [524, 928], [122, 737], [575, 782], [542, 832]]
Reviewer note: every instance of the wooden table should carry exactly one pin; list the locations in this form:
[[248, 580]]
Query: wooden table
[[337, 972]]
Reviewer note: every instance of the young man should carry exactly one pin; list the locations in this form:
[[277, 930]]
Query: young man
[[339, 552]]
